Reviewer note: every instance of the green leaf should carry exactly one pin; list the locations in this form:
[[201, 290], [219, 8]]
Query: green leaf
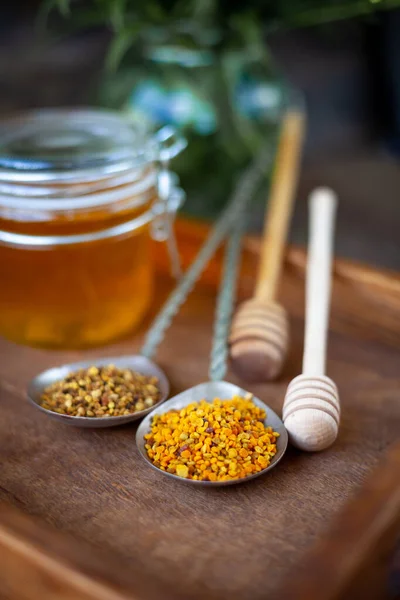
[[63, 6], [119, 47], [117, 14]]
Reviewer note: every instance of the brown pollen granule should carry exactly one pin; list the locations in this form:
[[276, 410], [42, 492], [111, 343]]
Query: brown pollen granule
[[101, 392]]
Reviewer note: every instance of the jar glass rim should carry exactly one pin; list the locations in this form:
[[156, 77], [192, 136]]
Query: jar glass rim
[[66, 159], [72, 145], [138, 189]]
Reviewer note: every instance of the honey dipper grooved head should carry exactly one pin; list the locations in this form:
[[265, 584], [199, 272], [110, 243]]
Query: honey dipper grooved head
[[311, 412], [258, 340]]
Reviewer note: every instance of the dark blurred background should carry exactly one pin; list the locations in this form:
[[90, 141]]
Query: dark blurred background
[[348, 70]]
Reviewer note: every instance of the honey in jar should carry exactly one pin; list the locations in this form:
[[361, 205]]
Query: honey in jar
[[79, 200]]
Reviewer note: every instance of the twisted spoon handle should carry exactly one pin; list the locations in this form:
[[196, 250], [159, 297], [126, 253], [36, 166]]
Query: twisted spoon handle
[[225, 301], [245, 189]]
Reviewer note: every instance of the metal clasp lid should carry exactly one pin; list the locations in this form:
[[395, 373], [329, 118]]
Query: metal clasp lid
[[170, 142], [170, 195]]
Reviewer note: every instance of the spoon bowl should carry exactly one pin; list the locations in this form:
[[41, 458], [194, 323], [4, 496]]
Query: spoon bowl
[[137, 363], [209, 391]]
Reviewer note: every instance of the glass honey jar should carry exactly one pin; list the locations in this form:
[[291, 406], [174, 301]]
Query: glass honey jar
[[82, 192]]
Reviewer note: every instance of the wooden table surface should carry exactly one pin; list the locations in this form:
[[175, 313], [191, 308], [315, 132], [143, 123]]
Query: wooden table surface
[[238, 542]]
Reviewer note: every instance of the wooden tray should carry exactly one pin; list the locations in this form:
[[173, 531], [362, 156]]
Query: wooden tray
[[167, 540]]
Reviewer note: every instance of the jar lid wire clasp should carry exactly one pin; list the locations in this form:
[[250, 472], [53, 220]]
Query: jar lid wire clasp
[[170, 195]]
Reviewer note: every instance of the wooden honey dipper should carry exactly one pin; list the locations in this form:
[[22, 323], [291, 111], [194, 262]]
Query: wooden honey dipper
[[311, 410], [259, 332]]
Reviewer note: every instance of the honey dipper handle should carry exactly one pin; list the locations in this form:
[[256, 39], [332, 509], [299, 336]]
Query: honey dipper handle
[[322, 209], [280, 204]]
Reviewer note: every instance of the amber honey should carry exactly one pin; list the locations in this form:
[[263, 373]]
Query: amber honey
[[75, 254], [76, 295]]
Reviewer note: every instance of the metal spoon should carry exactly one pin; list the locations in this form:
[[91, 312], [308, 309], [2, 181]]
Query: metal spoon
[[140, 364], [245, 189], [217, 388], [209, 391]]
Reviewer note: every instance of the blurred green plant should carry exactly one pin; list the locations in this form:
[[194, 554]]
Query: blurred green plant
[[202, 66], [129, 18]]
